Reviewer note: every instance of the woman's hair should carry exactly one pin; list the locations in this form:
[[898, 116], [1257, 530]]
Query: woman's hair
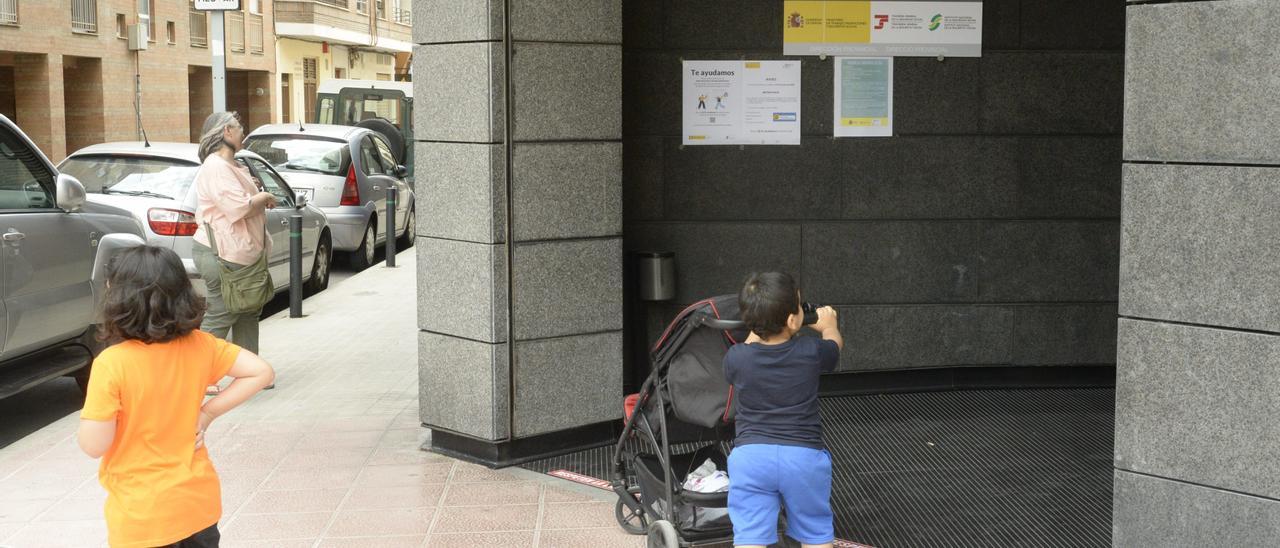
[[766, 300], [149, 297], [211, 134]]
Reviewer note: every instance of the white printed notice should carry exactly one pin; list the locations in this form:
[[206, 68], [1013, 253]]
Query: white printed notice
[[864, 97], [742, 102]]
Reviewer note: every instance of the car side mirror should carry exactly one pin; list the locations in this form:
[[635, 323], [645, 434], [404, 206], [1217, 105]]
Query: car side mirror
[[401, 172], [70, 193], [299, 200]]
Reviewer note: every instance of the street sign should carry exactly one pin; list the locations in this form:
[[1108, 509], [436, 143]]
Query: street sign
[[217, 5]]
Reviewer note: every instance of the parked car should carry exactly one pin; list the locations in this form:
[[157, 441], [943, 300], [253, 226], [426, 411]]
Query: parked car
[[54, 258], [347, 171], [153, 184]]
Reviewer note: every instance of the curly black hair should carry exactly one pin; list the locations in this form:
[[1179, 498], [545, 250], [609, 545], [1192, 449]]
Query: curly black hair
[[149, 297]]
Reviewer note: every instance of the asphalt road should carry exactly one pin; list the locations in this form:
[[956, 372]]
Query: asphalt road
[[32, 410]]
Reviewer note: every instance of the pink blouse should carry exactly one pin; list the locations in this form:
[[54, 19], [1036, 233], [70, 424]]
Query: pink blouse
[[223, 191]]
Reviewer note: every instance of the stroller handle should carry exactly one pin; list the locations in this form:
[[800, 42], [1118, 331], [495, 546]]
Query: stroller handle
[[726, 325]]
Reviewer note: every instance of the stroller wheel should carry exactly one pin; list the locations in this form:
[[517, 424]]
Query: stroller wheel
[[663, 535], [631, 520]]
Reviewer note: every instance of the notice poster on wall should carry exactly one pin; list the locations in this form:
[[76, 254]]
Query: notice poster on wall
[[864, 97], [741, 102], [882, 28]]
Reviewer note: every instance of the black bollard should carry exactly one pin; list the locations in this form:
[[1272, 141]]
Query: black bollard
[[391, 226], [295, 264]]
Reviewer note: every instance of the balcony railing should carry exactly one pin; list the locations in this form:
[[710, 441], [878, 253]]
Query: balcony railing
[[199, 29], [8, 12], [235, 31], [255, 33], [84, 16]]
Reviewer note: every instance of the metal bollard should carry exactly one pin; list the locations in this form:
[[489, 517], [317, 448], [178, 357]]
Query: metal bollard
[[391, 226], [295, 264]]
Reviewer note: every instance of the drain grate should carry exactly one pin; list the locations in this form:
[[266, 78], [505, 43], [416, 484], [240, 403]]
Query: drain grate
[[983, 468]]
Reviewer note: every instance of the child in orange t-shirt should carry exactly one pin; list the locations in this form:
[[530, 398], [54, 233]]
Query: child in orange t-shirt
[[143, 414]]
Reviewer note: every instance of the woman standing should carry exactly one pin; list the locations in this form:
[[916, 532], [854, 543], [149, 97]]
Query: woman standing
[[232, 205]]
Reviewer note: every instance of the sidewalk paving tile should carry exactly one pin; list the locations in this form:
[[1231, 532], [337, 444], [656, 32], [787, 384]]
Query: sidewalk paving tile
[[577, 515], [511, 539], [589, 538], [296, 501], [277, 526], [493, 494], [406, 496], [480, 519], [74, 510], [60, 534], [374, 542], [394, 475], [387, 521], [23, 511]]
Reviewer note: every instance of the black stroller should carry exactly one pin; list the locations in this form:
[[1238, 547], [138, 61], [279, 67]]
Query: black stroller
[[682, 416]]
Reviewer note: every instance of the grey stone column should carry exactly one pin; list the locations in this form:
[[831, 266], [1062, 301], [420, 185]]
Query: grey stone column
[[520, 214], [1198, 372]]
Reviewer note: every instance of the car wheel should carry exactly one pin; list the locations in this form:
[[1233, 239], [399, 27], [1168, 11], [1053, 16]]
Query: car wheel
[[362, 257], [320, 268], [406, 241]]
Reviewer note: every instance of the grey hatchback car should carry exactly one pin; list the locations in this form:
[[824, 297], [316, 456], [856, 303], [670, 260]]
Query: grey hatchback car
[[153, 183], [347, 171]]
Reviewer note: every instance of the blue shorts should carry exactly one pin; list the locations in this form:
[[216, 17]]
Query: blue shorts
[[762, 477]]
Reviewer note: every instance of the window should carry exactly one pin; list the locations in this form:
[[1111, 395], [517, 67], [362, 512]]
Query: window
[[369, 158], [103, 174], [8, 12], [326, 111], [122, 26], [362, 7], [171, 32], [339, 73], [199, 28], [25, 182], [151, 20], [384, 152], [84, 16], [381, 7], [271, 183], [301, 154]]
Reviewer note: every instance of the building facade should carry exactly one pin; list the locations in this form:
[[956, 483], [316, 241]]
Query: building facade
[[323, 39], [69, 78]]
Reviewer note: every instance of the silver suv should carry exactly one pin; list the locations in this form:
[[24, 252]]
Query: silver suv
[[53, 257]]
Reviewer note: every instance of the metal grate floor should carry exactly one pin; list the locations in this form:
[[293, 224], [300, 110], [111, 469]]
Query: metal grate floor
[[982, 468]]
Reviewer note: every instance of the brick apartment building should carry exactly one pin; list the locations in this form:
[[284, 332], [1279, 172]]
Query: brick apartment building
[[67, 75]]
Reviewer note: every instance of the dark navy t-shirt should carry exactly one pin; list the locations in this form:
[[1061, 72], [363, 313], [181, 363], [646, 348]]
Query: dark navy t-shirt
[[777, 390]]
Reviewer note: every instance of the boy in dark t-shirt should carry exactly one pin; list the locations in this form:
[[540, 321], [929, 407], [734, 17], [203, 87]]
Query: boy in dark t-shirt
[[779, 455]]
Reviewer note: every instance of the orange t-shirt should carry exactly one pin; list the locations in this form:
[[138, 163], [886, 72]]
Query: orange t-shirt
[[160, 489]]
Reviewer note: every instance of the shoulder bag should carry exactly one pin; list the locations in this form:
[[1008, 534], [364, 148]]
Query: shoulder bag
[[247, 289]]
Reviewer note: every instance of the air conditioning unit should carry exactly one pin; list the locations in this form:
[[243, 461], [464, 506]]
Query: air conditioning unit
[[137, 37]]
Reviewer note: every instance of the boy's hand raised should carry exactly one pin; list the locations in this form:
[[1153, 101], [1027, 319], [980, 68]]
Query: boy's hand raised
[[826, 319]]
